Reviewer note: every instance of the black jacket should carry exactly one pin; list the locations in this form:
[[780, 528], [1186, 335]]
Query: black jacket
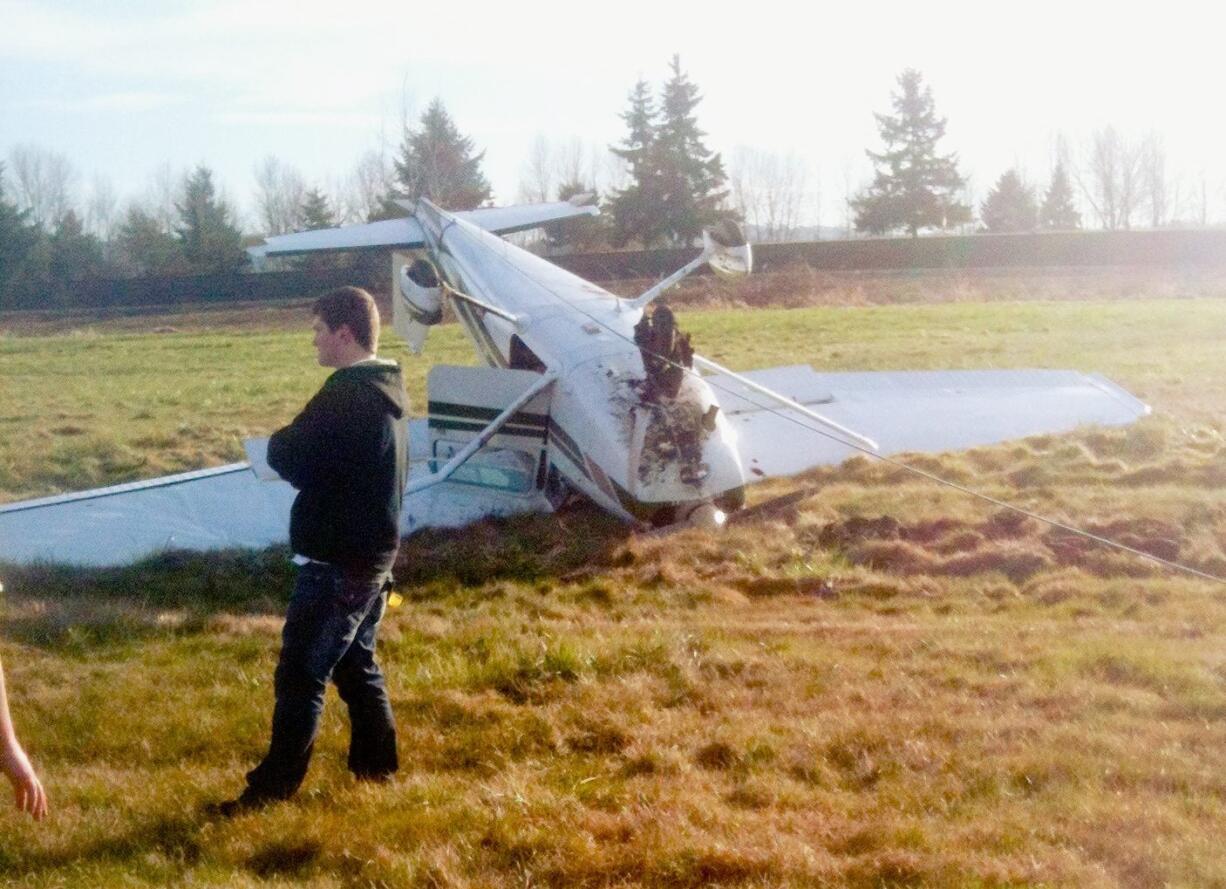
[[345, 453]]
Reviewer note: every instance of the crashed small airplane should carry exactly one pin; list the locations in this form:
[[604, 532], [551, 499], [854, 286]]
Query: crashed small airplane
[[580, 391]]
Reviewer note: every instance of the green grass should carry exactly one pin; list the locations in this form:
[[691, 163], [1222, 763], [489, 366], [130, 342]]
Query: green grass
[[885, 685], [79, 411], [84, 409]]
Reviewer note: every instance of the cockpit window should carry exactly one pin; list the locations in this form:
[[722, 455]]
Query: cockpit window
[[502, 469], [523, 358]]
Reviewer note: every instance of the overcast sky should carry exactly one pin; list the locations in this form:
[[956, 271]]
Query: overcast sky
[[125, 87]]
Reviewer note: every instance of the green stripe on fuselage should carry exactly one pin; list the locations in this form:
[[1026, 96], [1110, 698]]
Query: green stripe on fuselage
[[471, 412]]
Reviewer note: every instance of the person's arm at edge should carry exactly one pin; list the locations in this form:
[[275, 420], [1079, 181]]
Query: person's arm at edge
[[28, 791]]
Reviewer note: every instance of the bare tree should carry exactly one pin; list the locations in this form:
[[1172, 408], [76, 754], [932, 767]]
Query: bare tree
[[100, 208], [44, 181], [279, 193], [372, 180], [967, 195], [162, 195], [536, 180], [1112, 178], [1162, 192], [337, 188], [551, 168], [850, 189], [742, 188], [769, 191], [815, 202], [1202, 197], [785, 182], [576, 162]]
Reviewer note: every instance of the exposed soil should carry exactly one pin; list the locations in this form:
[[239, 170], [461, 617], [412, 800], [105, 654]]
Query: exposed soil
[[1013, 544]]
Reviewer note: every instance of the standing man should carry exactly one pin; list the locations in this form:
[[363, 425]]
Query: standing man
[[345, 454]]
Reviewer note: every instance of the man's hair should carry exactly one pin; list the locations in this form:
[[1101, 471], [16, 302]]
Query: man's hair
[[353, 307]]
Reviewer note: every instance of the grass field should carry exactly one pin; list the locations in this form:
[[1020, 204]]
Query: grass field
[[888, 684]]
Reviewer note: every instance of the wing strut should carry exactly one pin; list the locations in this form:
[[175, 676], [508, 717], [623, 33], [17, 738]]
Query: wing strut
[[723, 246], [650, 294], [517, 320], [707, 364], [448, 469]]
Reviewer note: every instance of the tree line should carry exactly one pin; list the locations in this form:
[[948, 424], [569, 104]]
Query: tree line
[[44, 252], [659, 186]]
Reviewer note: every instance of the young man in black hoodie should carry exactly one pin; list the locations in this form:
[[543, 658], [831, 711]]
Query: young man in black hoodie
[[345, 454]]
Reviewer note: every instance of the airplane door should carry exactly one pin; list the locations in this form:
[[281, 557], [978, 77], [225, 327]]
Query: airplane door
[[465, 400]]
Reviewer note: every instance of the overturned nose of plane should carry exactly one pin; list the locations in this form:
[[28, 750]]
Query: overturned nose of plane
[[684, 453], [647, 455]]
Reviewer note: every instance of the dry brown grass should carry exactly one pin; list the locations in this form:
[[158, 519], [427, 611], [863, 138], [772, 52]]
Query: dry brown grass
[[801, 285], [760, 708], [885, 683]]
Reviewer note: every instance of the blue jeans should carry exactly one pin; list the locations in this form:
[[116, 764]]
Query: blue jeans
[[329, 633]]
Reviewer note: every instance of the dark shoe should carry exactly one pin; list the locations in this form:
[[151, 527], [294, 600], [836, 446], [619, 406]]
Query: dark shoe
[[245, 802]]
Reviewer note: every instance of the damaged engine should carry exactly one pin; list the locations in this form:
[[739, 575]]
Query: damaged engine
[[678, 427], [666, 353]]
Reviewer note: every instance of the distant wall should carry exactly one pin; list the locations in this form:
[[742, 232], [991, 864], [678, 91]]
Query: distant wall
[[1051, 249], [1173, 249], [99, 293]]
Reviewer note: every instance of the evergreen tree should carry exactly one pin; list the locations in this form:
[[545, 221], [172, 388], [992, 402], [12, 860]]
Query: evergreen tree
[[581, 234], [676, 182], [1010, 205], [914, 187], [637, 209], [19, 241], [693, 176], [1058, 212], [145, 248], [438, 163], [210, 240], [74, 254], [315, 213]]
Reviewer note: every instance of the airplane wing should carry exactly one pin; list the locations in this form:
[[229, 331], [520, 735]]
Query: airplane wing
[[204, 510], [388, 233], [213, 509], [406, 233], [902, 411], [504, 220], [930, 411]]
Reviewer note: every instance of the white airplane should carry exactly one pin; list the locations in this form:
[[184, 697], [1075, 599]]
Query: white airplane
[[580, 391]]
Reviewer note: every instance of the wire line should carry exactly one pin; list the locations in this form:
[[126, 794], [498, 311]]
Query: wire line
[[791, 417]]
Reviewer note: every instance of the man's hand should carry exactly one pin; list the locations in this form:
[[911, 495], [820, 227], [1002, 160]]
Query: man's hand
[[28, 791]]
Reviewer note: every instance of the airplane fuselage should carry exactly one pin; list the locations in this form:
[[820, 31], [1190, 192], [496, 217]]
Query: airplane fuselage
[[645, 458]]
